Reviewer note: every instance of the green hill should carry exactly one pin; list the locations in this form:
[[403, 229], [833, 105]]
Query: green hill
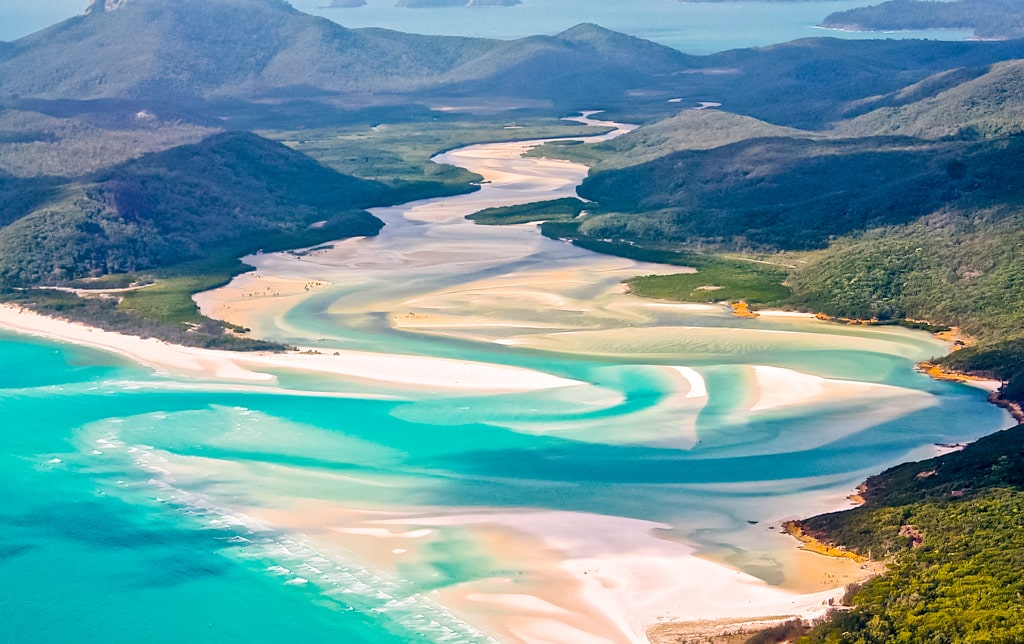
[[176, 52], [228, 195], [814, 82], [585, 63], [693, 129], [790, 194], [950, 529], [180, 50], [989, 105]]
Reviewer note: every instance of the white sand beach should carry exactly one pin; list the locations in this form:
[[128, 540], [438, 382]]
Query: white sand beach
[[572, 576], [259, 367]]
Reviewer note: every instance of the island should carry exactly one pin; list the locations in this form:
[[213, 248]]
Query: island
[[990, 19]]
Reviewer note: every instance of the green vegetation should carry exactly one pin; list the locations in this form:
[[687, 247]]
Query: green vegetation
[[986, 102], [792, 194], [951, 531], [988, 18], [692, 129], [164, 309], [717, 280], [398, 154], [1002, 360], [231, 194], [957, 267], [555, 210], [38, 139], [179, 220]]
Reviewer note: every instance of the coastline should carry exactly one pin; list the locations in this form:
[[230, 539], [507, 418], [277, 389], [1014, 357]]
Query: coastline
[[616, 567], [427, 374], [639, 581]]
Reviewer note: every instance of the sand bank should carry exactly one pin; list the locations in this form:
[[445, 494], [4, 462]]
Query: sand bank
[[259, 367], [564, 576], [614, 578]]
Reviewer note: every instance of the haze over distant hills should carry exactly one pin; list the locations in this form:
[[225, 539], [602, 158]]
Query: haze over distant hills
[[161, 52], [179, 50]]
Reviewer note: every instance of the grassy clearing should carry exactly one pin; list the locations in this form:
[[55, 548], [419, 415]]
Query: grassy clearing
[[718, 278], [719, 281], [169, 299], [398, 154]]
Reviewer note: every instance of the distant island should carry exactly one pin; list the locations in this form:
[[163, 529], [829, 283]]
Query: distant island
[[429, 4], [990, 19]]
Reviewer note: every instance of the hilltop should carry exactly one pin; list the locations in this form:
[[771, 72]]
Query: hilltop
[[232, 191], [179, 51]]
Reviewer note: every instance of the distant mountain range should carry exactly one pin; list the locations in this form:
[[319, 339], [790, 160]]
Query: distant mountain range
[[217, 49], [180, 52]]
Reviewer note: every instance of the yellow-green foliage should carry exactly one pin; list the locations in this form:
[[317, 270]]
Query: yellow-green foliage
[[961, 583]]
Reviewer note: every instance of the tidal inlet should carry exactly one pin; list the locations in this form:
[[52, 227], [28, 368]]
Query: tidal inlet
[[482, 437]]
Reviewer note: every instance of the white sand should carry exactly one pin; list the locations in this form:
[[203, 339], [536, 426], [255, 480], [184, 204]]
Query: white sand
[[404, 371], [622, 571], [698, 389], [780, 387]]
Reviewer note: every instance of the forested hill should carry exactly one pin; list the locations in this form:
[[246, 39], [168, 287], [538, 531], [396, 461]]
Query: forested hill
[[177, 53], [962, 103], [988, 18], [182, 49], [231, 194], [787, 193], [952, 532]]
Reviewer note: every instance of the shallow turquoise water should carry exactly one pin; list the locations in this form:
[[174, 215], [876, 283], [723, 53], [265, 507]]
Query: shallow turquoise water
[[145, 507], [100, 544]]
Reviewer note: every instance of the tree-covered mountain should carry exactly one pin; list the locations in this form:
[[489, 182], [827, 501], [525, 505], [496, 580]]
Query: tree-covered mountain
[[182, 50], [785, 193], [985, 104], [231, 194], [814, 82], [179, 53]]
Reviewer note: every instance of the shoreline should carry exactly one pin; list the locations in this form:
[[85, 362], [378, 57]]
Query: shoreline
[[636, 587], [417, 372], [595, 574]]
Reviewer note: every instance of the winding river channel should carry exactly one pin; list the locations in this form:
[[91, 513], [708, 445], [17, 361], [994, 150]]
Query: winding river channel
[[484, 439]]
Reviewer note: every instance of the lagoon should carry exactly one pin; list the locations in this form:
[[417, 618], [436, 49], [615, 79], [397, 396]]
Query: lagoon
[[634, 466]]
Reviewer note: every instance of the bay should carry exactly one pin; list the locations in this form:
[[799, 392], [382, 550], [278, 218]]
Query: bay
[[691, 27], [142, 504]]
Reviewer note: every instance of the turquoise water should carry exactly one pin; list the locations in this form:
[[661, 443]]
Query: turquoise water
[[692, 27], [143, 506], [100, 543]]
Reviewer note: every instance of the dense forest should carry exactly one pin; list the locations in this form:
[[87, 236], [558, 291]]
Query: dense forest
[[952, 532], [988, 18], [233, 192]]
